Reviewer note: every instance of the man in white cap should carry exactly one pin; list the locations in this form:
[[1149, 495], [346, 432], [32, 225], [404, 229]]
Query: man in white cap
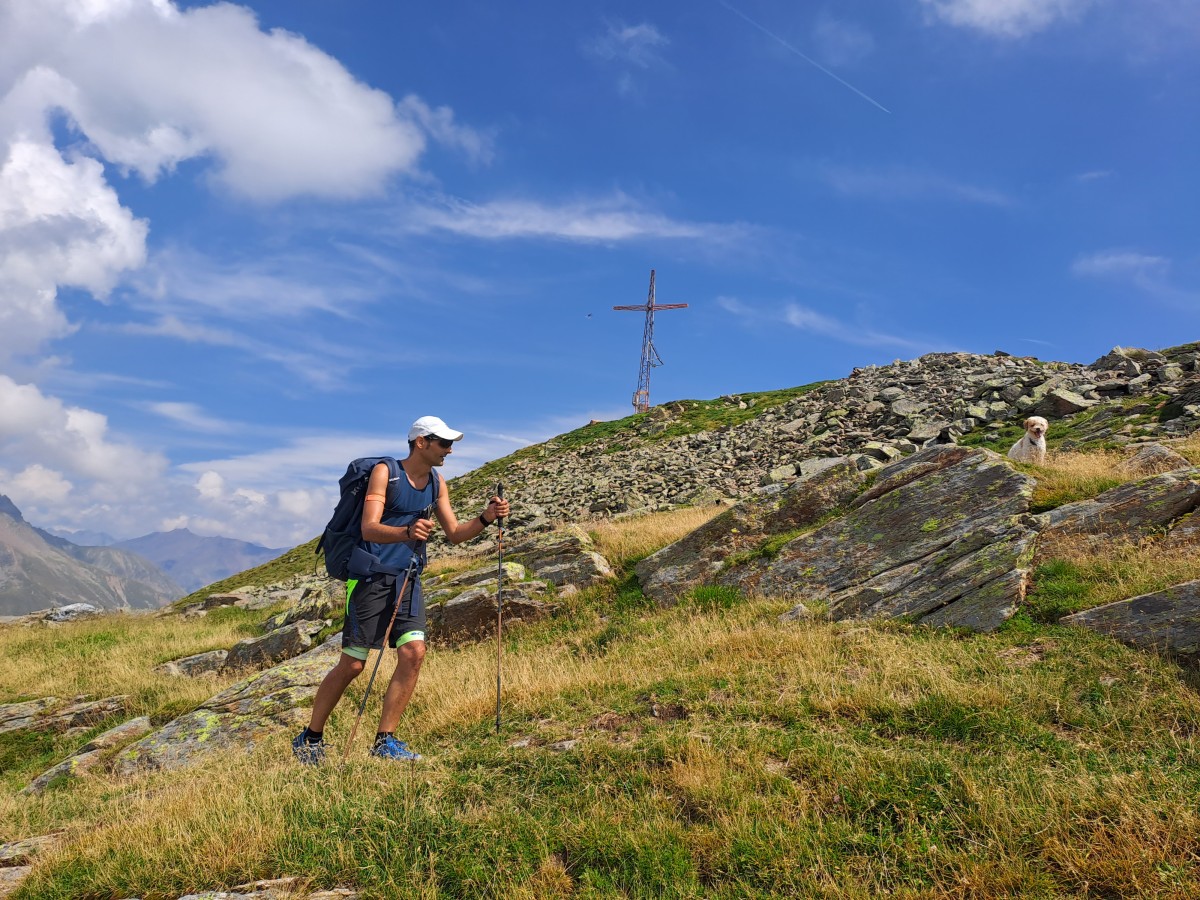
[[393, 535]]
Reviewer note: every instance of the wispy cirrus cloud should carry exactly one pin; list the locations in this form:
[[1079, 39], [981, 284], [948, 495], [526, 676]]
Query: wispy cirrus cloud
[[605, 220], [1121, 263], [858, 332], [191, 416], [1006, 18], [629, 49], [899, 183], [1146, 272]]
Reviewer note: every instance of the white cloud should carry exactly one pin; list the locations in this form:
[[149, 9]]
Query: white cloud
[[35, 485], [587, 221], [635, 45], [190, 416], [632, 49], [144, 86], [803, 318], [1094, 175], [53, 454], [60, 224], [1149, 274], [277, 116], [905, 184], [1120, 263], [1006, 18]]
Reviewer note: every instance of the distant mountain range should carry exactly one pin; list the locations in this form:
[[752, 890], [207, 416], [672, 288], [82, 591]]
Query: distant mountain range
[[39, 569], [194, 561]]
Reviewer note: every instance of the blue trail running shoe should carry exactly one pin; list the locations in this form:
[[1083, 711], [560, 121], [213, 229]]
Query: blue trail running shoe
[[390, 748], [309, 753]]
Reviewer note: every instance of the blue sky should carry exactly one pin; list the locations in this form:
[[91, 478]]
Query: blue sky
[[241, 244]]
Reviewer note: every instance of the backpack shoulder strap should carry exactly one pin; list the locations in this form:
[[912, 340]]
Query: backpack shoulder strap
[[395, 473]]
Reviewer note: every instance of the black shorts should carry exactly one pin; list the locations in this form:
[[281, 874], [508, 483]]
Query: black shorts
[[369, 605]]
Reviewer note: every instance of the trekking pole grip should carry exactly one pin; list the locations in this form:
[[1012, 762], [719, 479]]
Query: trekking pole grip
[[500, 494]]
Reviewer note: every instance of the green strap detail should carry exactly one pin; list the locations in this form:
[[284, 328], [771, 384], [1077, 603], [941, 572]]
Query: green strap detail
[[351, 584]]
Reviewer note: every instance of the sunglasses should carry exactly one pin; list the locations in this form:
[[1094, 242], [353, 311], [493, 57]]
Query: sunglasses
[[445, 443]]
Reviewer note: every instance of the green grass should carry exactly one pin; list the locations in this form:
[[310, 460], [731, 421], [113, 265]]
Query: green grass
[[718, 754]]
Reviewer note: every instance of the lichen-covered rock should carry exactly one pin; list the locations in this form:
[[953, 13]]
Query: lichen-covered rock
[[216, 601], [940, 537], [237, 717], [1167, 621], [1132, 508], [567, 556], [282, 643], [1185, 532], [195, 665], [49, 713], [472, 614], [513, 571], [698, 557], [316, 603], [1153, 459], [19, 716], [90, 755]]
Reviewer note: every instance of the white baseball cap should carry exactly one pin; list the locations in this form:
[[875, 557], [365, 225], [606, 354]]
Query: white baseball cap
[[432, 425]]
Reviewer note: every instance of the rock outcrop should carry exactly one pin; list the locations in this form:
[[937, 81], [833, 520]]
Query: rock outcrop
[[942, 537], [237, 717], [1131, 509], [700, 557], [1166, 621]]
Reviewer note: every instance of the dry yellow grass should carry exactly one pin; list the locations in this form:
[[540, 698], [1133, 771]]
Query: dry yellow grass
[[114, 654], [623, 540], [1116, 569]]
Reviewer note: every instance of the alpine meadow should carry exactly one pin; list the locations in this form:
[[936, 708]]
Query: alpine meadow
[[693, 736]]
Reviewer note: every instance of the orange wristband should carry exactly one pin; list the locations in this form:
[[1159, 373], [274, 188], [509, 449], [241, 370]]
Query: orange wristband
[[382, 498]]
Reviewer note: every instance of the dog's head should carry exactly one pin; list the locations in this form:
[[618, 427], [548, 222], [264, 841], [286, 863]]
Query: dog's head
[[1036, 426]]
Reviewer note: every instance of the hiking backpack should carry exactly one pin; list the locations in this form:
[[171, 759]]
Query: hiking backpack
[[343, 533]]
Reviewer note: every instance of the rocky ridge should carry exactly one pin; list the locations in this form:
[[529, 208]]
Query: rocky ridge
[[875, 415]]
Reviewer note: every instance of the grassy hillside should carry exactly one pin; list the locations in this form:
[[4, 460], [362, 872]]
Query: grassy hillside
[[703, 751]]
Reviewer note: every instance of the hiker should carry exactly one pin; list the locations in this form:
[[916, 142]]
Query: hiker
[[393, 538]]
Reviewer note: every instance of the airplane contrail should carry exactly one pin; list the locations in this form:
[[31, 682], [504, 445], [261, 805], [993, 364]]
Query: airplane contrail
[[808, 59]]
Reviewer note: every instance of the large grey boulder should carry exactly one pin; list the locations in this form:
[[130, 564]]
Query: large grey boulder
[[1167, 621], [941, 537], [195, 665], [73, 612], [237, 717], [700, 556], [567, 556], [472, 614], [282, 643], [1130, 509]]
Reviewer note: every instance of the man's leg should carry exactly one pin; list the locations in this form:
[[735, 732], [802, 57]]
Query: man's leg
[[333, 685], [400, 689]]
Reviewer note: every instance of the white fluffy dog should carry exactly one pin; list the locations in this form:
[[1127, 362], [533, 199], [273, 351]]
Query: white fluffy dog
[[1032, 447]]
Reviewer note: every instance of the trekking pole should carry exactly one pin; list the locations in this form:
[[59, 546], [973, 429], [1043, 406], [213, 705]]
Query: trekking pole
[[412, 565], [499, 599]]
